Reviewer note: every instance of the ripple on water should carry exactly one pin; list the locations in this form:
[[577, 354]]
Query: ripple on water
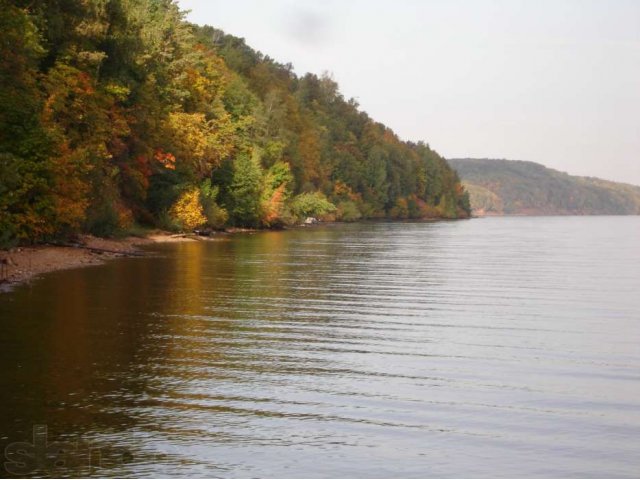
[[490, 347]]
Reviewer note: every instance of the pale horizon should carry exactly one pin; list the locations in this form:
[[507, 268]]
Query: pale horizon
[[554, 83]]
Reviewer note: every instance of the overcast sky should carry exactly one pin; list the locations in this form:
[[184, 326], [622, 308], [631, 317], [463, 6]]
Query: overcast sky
[[555, 82]]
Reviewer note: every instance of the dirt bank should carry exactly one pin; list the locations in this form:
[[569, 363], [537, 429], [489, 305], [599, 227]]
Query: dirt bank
[[22, 264]]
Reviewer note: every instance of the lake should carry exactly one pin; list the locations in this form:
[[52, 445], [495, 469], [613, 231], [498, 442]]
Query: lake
[[485, 347]]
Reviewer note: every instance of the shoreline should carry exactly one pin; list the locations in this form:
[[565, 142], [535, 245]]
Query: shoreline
[[21, 265]]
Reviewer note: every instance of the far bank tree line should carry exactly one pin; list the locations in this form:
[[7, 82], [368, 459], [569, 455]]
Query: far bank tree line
[[115, 113]]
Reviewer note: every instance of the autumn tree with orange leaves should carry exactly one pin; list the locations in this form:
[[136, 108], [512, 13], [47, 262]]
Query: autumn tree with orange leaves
[[117, 113]]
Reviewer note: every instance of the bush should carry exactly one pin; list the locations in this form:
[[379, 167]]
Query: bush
[[313, 204], [216, 215], [187, 211], [167, 222], [348, 211], [103, 220]]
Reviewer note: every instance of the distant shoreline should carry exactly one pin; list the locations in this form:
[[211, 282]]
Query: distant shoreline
[[513, 187], [481, 214]]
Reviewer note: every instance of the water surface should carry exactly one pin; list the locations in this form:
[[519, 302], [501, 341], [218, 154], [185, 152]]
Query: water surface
[[489, 347]]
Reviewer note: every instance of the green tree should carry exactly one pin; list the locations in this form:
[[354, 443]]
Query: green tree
[[244, 191], [311, 204]]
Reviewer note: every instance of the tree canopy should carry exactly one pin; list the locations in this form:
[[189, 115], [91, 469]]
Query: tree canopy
[[119, 112]]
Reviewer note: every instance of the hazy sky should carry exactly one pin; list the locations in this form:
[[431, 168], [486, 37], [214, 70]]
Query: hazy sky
[[556, 82]]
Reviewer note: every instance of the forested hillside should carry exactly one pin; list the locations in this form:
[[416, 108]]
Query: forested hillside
[[117, 113], [498, 187]]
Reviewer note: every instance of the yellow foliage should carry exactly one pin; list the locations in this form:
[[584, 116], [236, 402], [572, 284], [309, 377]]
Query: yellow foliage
[[201, 143], [188, 211], [190, 133], [205, 80]]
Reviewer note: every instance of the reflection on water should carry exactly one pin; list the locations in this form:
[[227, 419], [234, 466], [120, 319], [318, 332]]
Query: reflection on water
[[504, 346]]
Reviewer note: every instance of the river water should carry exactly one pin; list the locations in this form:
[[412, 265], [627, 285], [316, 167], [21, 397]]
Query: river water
[[487, 347]]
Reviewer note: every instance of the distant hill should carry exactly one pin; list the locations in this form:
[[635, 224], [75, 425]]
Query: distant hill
[[510, 187]]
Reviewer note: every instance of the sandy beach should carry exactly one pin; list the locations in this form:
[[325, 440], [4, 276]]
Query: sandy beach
[[21, 264]]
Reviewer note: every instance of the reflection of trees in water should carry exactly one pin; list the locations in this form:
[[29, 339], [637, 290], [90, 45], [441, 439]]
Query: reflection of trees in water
[[158, 346], [78, 338]]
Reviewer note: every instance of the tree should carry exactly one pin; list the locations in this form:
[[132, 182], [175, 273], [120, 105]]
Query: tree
[[311, 204], [25, 198], [245, 190], [275, 193], [187, 211], [117, 111]]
